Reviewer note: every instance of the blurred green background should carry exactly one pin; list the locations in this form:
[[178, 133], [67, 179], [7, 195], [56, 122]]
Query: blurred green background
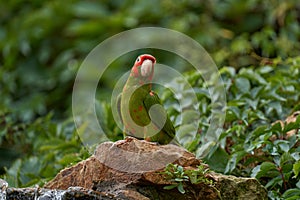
[[44, 42]]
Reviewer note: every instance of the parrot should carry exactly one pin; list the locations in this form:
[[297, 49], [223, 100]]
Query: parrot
[[140, 109]]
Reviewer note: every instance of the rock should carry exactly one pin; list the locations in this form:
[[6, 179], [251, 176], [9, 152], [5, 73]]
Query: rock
[[131, 169], [72, 193], [232, 187], [3, 184], [3, 187]]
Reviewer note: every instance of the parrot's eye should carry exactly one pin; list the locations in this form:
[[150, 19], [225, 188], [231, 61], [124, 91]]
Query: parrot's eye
[[138, 60]]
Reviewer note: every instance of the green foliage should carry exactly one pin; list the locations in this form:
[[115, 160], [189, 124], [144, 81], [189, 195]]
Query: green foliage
[[181, 177], [175, 173], [249, 144], [107, 122], [45, 146]]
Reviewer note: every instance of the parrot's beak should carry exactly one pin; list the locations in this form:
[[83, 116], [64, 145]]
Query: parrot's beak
[[146, 68]]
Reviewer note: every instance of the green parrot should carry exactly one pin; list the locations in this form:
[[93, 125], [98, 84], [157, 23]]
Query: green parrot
[[140, 108]]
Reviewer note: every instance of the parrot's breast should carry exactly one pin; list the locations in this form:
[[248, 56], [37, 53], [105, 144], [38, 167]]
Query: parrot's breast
[[134, 114]]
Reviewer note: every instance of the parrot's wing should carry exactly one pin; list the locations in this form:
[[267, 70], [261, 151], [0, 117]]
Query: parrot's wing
[[119, 112], [159, 114], [119, 106]]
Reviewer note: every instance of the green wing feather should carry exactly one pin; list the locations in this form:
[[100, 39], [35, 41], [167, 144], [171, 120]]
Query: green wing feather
[[119, 106], [160, 115], [119, 112]]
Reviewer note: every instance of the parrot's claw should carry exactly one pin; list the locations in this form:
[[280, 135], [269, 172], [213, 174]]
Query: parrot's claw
[[148, 139]]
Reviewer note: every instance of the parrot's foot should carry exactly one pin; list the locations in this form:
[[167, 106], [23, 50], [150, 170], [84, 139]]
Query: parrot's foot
[[128, 138], [148, 139]]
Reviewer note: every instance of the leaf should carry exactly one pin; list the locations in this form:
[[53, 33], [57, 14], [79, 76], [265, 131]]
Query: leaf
[[189, 116], [234, 112], [255, 92], [276, 106], [232, 162], [291, 126], [180, 188], [179, 179], [202, 92], [286, 163], [180, 169], [259, 130], [265, 69], [205, 149], [255, 171], [273, 95], [242, 84], [228, 70], [296, 168], [296, 155], [283, 145], [252, 103], [277, 127], [267, 169], [218, 160], [292, 194], [170, 187], [250, 74], [274, 181], [89, 10], [12, 173], [187, 131]]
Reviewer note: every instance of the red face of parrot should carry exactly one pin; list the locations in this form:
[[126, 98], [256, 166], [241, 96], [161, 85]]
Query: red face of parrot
[[144, 67]]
